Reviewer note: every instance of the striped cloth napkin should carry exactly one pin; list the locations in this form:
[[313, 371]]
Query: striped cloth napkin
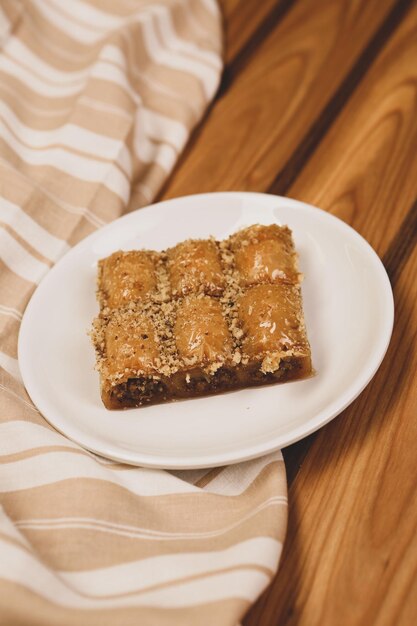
[[97, 99]]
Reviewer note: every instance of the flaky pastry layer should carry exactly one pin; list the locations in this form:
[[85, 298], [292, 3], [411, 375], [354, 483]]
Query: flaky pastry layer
[[203, 317]]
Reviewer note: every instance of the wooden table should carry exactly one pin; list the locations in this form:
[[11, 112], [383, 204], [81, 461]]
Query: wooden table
[[319, 102]]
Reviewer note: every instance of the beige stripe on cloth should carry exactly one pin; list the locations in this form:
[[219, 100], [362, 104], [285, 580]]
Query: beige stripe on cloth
[[97, 100]]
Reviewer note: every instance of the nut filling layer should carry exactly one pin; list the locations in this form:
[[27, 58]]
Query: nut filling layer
[[200, 318]]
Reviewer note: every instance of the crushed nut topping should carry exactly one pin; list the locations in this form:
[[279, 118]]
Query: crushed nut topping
[[194, 317]]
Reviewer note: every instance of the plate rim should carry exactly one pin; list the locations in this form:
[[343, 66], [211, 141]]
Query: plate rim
[[235, 456]]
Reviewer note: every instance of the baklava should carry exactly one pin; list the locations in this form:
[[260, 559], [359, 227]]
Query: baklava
[[200, 318]]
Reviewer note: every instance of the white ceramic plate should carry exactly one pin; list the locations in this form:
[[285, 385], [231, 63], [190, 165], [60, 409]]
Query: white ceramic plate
[[348, 307]]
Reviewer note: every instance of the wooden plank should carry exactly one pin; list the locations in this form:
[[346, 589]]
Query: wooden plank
[[365, 169], [402, 246], [253, 129], [346, 175], [323, 122], [245, 21], [350, 556], [394, 260]]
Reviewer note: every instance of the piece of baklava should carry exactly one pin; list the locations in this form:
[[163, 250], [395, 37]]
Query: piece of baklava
[[200, 318]]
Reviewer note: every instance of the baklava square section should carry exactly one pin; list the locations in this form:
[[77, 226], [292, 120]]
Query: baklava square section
[[127, 277], [131, 347], [201, 332], [194, 267], [265, 254], [272, 321]]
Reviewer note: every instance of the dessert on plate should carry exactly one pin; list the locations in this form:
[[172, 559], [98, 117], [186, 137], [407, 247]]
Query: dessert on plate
[[200, 318]]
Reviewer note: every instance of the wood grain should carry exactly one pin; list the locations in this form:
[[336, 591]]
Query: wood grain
[[251, 30], [245, 23], [394, 259], [350, 556], [351, 552], [257, 124], [323, 122], [365, 169], [402, 246]]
